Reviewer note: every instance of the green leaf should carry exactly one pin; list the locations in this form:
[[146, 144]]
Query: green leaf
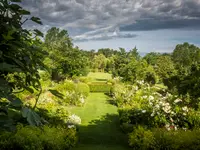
[[7, 37], [24, 12], [29, 89], [36, 20], [33, 118], [15, 7], [25, 111], [16, 103], [38, 33], [8, 67]]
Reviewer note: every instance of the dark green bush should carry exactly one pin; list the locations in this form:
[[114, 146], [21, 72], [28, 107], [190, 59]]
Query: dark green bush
[[33, 138], [161, 139], [100, 87]]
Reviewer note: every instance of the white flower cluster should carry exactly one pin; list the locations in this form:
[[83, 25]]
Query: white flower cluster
[[74, 120]]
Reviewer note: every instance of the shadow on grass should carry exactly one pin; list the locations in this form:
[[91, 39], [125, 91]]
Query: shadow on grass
[[112, 102], [104, 131]]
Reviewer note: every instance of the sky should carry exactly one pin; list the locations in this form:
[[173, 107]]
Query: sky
[[150, 25]]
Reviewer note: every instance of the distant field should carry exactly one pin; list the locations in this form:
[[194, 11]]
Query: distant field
[[100, 76]]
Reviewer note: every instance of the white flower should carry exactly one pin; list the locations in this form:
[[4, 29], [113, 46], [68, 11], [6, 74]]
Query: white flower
[[177, 100], [71, 126], [185, 109], [167, 126], [144, 111], [144, 97], [151, 98], [74, 119]]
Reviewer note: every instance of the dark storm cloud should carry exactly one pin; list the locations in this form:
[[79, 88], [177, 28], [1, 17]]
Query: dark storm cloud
[[99, 19]]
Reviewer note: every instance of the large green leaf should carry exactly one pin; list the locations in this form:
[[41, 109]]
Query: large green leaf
[[36, 20], [16, 103], [24, 12]]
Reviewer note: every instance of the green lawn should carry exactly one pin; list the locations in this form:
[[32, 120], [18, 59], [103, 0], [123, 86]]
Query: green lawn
[[99, 76], [100, 125]]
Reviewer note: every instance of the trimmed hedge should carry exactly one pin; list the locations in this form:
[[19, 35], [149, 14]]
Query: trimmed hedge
[[100, 87]]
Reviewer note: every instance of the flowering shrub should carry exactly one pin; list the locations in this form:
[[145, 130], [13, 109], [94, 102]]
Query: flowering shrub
[[74, 120], [154, 107]]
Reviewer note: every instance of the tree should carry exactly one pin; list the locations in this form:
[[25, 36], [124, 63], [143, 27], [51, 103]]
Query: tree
[[151, 58], [184, 55], [165, 67], [20, 58], [99, 62], [63, 58]]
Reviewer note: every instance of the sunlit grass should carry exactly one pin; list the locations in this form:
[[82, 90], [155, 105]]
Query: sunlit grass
[[100, 125]]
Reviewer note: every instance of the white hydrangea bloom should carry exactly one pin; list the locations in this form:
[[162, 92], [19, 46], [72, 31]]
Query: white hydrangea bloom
[[151, 98], [177, 100], [74, 119]]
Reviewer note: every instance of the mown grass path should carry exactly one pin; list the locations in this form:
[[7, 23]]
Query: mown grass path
[[100, 125]]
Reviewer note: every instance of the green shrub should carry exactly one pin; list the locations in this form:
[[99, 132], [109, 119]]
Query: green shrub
[[83, 89], [159, 139], [33, 138], [100, 87], [141, 138], [45, 75], [85, 79]]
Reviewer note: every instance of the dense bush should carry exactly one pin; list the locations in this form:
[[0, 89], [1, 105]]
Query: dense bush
[[32, 138], [152, 107], [159, 139], [83, 89]]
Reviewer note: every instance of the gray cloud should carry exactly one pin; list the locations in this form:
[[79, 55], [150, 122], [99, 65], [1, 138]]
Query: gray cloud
[[99, 19]]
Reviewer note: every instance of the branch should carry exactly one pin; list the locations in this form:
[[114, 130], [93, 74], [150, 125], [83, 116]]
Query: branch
[[37, 98]]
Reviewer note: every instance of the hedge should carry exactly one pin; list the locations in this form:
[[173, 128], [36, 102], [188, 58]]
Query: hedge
[[100, 87]]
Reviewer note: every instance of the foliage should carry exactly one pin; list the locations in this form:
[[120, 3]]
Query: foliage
[[100, 87], [144, 105], [165, 67], [20, 58], [83, 89], [63, 57], [157, 139], [141, 138], [32, 138], [99, 62]]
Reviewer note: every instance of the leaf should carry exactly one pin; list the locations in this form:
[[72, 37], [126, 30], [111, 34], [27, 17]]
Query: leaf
[[8, 67], [25, 111], [7, 37], [33, 118], [36, 20], [57, 94], [24, 12], [38, 33], [15, 7], [29, 89], [16, 103]]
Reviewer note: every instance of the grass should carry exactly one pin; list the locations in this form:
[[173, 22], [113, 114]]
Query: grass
[[100, 125]]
